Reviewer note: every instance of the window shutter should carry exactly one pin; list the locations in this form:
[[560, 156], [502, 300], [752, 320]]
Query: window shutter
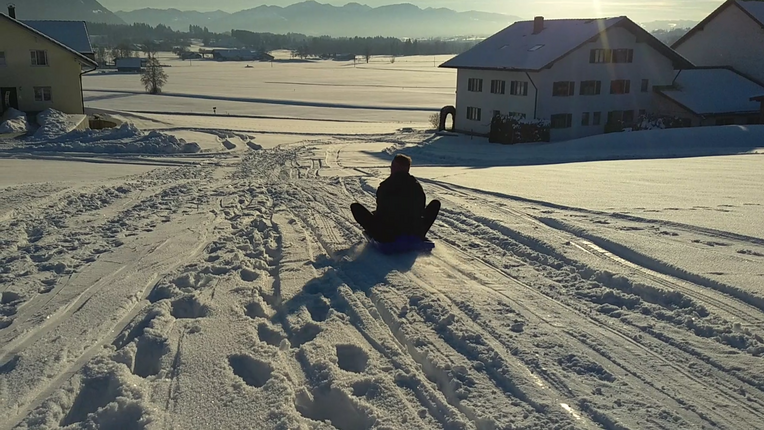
[[571, 88], [627, 87], [599, 87], [592, 55], [631, 55]]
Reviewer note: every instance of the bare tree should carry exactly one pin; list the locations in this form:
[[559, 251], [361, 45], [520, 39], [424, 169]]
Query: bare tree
[[154, 77], [123, 50], [102, 55]]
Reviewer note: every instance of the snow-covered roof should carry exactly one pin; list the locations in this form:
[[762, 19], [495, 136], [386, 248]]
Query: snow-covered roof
[[714, 91], [73, 34], [517, 48], [84, 59]]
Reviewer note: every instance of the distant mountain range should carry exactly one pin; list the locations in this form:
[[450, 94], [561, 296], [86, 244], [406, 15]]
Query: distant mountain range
[[318, 19], [176, 19], [67, 10], [667, 24]]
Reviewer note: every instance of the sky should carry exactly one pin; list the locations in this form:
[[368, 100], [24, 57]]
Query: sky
[[645, 10]]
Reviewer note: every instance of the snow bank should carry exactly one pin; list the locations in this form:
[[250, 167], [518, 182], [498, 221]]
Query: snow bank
[[462, 150], [53, 124], [123, 139], [13, 121]]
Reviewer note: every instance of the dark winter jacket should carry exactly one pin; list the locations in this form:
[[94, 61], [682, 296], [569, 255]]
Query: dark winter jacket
[[400, 204]]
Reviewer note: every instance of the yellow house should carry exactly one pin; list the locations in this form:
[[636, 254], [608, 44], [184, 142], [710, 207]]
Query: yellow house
[[38, 72]]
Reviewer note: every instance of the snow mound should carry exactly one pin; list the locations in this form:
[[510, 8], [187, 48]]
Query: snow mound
[[53, 124], [449, 149], [13, 121], [126, 138]]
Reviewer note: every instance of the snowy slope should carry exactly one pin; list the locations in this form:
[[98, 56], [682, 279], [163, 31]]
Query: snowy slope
[[237, 292]]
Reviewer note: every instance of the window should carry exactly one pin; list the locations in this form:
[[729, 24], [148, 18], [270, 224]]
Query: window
[[611, 56], [623, 55], [498, 87], [42, 94], [475, 85], [600, 55], [585, 118], [620, 86], [563, 89], [628, 117], [562, 120], [590, 88], [39, 58], [645, 85], [2, 59], [518, 88], [597, 118], [473, 113]]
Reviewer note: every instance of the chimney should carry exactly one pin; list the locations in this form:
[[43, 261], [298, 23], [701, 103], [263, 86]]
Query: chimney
[[12, 11], [538, 24]]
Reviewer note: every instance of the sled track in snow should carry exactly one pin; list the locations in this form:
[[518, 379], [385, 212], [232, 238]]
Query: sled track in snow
[[706, 291], [631, 343], [257, 292], [732, 390]]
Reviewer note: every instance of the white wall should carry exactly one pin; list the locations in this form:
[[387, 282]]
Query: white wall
[[730, 39], [488, 102], [647, 64]]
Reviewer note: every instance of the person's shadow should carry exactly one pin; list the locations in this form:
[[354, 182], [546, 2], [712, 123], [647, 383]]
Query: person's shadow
[[360, 267]]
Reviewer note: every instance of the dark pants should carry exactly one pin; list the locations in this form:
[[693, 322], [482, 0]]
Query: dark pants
[[374, 228]]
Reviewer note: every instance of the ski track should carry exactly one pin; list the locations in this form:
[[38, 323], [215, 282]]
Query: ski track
[[241, 293]]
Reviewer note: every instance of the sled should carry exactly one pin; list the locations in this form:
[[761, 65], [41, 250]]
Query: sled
[[402, 244]]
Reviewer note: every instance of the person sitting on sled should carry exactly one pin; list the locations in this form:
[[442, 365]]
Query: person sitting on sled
[[401, 207]]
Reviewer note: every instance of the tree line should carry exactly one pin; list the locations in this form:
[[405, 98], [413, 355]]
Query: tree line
[[125, 40]]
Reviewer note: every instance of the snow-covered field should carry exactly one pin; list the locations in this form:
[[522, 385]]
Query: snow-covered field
[[406, 91], [613, 282]]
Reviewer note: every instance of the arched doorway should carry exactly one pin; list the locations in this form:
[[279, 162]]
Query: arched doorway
[[448, 110]]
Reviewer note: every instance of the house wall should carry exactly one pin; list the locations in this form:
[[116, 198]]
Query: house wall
[[62, 73], [647, 64], [488, 102], [732, 38]]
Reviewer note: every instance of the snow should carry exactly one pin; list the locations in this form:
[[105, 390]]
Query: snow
[[73, 34], [13, 121], [53, 124], [126, 138], [407, 91], [608, 282], [714, 91], [458, 150], [512, 48]]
